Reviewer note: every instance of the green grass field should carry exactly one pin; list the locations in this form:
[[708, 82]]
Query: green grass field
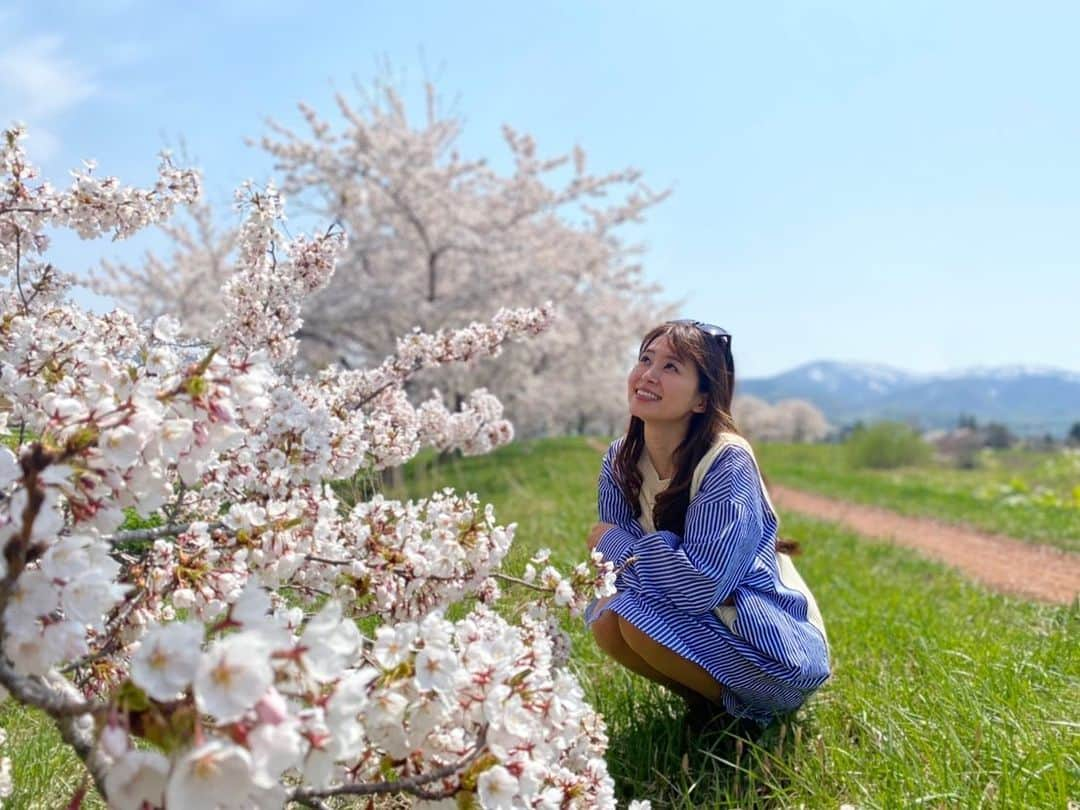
[[46, 773], [943, 694], [1027, 495]]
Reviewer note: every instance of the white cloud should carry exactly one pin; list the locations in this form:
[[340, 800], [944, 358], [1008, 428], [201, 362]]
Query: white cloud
[[38, 80]]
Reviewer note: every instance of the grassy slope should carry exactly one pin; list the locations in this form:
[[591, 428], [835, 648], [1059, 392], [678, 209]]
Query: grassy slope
[[933, 491], [940, 689]]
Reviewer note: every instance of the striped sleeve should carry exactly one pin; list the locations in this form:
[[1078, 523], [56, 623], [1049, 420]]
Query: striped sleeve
[[723, 531], [616, 543]]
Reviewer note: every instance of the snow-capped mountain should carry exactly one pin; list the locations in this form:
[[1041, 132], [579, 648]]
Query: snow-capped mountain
[[1010, 372], [1029, 399]]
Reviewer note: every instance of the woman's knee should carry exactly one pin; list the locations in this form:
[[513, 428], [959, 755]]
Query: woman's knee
[[606, 632], [670, 663], [634, 638]]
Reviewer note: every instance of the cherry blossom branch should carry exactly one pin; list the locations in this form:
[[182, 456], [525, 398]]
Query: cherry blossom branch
[[518, 581], [413, 784], [18, 267], [22, 210], [173, 509], [157, 532], [79, 732], [113, 640], [312, 802], [42, 693], [17, 548]]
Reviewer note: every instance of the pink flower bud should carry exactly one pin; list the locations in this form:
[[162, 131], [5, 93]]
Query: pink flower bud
[[272, 708]]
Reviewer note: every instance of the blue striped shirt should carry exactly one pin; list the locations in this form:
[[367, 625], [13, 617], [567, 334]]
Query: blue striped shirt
[[772, 657]]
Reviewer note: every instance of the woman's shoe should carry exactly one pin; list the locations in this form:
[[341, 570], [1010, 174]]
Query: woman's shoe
[[701, 714]]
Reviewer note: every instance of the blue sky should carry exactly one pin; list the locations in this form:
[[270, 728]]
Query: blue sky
[[892, 183]]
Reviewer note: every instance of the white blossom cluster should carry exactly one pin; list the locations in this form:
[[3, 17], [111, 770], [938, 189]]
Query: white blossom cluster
[[323, 703], [476, 428], [571, 592], [6, 784], [262, 301], [180, 584]]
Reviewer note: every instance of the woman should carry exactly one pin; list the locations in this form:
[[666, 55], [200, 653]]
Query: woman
[[706, 603]]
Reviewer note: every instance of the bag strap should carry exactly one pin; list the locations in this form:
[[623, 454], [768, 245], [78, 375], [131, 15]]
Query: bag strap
[[723, 441]]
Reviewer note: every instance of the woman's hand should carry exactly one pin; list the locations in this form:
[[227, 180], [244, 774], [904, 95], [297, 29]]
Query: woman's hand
[[596, 533]]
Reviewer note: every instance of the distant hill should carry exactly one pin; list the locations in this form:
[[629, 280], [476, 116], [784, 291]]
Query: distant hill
[[1031, 400]]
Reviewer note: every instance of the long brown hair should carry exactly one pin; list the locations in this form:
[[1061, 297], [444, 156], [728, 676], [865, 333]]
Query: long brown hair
[[716, 380]]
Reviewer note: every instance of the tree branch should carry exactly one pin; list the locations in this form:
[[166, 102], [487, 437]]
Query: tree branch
[[78, 732], [142, 535], [74, 716], [517, 581], [53, 694], [18, 268], [413, 785], [22, 210]]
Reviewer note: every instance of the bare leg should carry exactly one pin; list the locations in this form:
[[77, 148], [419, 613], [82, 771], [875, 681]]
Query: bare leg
[[609, 638], [607, 630], [669, 664]]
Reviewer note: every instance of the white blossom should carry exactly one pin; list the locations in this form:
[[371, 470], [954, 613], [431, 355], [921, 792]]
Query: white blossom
[[436, 669], [215, 774], [232, 675], [497, 788], [274, 749], [120, 446], [6, 783], [167, 658], [137, 780], [393, 645], [9, 468], [330, 643]]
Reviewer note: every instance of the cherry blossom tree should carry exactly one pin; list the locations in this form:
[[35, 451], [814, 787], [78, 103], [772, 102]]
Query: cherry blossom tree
[[436, 240], [789, 420], [180, 584]]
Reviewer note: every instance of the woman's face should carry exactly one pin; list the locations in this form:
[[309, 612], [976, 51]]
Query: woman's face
[[663, 388]]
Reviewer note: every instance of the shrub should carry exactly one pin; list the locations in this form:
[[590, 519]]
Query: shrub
[[885, 445]]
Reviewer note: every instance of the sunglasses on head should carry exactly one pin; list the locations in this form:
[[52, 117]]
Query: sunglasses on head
[[710, 329]]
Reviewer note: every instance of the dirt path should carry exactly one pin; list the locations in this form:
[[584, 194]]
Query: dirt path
[[1003, 563]]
